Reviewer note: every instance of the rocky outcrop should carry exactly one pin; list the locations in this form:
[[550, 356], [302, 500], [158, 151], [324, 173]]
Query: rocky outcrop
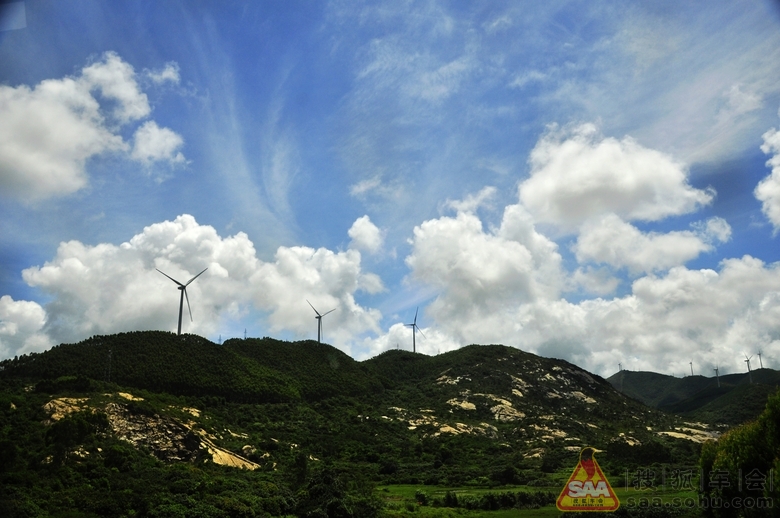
[[166, 438]]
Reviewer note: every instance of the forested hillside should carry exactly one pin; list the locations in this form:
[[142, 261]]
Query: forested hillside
[[251, 371], [155, 424], [731, 399]]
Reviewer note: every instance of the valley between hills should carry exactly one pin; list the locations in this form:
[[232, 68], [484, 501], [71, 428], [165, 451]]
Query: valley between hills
[[155, 424]]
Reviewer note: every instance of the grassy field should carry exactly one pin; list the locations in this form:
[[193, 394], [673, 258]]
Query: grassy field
[[401, 500]]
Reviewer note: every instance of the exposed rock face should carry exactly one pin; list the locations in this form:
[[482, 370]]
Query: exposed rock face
[[692, 434], [506, 413], [519, 390], [60, 407], [167, 438], [224, 457]]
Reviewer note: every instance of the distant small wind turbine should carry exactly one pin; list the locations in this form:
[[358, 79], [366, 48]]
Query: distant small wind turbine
[[183, 289], [716, 375], [620, 367], [415, 328], [319, 321], [759, 358], [691, 364], [747, 360]]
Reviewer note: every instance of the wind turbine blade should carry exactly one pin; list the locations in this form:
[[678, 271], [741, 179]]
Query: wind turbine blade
[[415, 315], [420, 330], [331, 311], [171, 278], [189, 281], [315, 310], [188, 303]]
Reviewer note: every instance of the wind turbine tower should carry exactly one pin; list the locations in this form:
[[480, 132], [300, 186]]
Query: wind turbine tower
[[319, 321], [691, 364], [415, 328], [759, 359], [716, 375], [750, 376], [183, 289]]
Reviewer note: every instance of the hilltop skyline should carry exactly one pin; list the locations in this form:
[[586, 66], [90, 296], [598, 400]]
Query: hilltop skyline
[[598, 183]]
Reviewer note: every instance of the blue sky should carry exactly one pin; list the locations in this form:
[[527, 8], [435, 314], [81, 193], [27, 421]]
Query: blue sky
[[593, 181]]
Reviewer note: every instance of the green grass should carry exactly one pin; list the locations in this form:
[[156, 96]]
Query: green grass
[[400, 500]]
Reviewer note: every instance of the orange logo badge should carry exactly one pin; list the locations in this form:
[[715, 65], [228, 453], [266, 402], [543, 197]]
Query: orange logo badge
[[587, 489]]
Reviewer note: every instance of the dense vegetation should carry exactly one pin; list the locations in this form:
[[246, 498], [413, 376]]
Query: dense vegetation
[[252, 371], [324, 429], [742, 466], [731, 399]]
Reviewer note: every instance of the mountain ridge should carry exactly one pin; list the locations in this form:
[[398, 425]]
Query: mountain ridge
[[730, 399], [291, 413]]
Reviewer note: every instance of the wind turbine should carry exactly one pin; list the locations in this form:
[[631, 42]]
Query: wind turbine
[[183, 289], [691, 364], [759, 359], [319, 321], [716, 375], [747, 360], [415, 328]]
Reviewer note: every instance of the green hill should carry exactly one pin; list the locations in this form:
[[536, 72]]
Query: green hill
[[251, 371], [148, 421], [735, 401]]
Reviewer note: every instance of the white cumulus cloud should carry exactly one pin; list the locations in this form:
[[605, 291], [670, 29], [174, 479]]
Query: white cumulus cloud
[[365, 235], [49, 132], [328, 280], [483, 275], [108, 288], [21, 325], [155, 144], [612, 241], [115, 79], [768, 189], [577, 174], [46, 136], [504, 285]]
